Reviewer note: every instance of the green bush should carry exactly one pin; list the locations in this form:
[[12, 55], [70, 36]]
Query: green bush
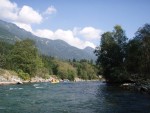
[[71, 75], [23, 75]]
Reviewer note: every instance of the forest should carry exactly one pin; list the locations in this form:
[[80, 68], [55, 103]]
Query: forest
[[121, 59], [23, 57]]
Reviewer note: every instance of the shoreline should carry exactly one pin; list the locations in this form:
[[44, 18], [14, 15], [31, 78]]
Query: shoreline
[[8, 83], [46, 80], [142, 88], [8, 77]]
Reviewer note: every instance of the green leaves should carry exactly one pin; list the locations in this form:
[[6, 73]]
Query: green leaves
[[5, 48], [23, 75], [111, 54], [2, 61], [143, 37], [86, 70], [71, 69], [24, 57], [120, 60]]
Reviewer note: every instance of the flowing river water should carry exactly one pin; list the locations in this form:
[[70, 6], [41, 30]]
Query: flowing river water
[[73, 97]]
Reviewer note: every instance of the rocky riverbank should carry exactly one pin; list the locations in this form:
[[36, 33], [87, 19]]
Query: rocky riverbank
[[10, 77], [143, 87]]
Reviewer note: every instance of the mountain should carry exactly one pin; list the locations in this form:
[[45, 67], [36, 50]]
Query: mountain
[[57, 48], [90, 51]]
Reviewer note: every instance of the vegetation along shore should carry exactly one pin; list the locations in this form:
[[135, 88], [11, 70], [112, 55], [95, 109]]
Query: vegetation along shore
[[125, 61], [25, 62]]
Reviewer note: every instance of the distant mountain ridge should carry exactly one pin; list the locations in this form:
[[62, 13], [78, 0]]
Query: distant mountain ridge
[[57, 48]]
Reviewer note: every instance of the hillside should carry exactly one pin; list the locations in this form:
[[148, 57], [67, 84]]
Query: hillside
[[56, 48]]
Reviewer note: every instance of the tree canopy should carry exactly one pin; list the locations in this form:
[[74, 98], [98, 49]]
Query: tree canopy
[[122, 60], [111, 54]]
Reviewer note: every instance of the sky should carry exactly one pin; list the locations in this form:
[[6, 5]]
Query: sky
[[78, 22]]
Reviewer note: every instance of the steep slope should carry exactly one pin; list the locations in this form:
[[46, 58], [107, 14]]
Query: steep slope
[[10, 32], [57, 48]]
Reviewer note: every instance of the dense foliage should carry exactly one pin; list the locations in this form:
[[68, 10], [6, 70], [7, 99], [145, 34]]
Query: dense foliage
[[139, 53], [122, 60], [70, 69], [24, 58]]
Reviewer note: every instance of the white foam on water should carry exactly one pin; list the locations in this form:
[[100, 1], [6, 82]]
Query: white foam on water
[[11, 88], [15, 88], [38, 87], [35, 85]]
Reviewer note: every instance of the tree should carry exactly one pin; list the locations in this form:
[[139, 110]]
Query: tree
[[24, 57], [111, 55], [133, 59], [5, 49], [143, 36], [49, 64], [86, 70], [2, 61], [71, 75]]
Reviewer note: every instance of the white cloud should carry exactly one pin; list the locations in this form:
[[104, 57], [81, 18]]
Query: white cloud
[[8, 10], [27, 27], [44, 33], [91, 33], [50, 10], [76, 31], [22, 17], [28, 15], [90, 44], [12, 12], [65, 35]]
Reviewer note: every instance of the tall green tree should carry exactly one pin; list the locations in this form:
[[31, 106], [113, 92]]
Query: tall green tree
[[111, 55], [133, 59], [143, 36], [24, 57]]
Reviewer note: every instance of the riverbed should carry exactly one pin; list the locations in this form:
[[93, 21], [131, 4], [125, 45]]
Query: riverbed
[[71, 97]]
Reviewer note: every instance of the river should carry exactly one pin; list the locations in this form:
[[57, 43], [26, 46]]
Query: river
[[79, 97]]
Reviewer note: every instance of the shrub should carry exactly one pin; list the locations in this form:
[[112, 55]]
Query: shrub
[[23, 75]]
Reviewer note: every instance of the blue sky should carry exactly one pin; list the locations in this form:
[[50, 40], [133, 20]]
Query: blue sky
[[78, 22]]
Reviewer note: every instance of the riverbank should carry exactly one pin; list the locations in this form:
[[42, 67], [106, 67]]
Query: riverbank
[[8, 77], [20, 81], [38, 80], [140, 86]]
